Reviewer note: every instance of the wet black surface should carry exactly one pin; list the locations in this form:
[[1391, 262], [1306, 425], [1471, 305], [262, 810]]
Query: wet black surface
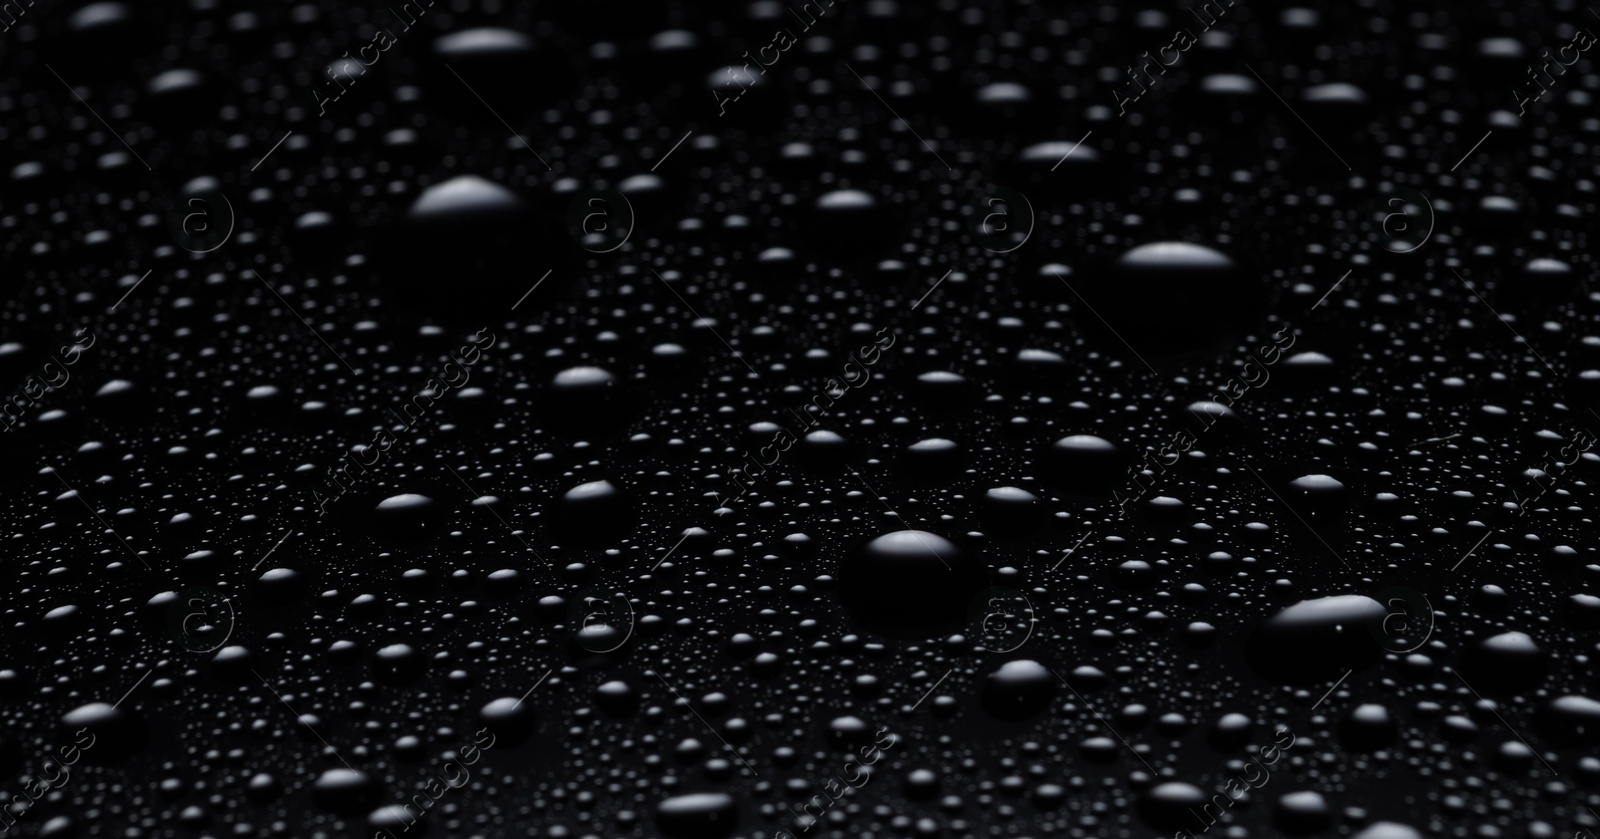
[[865, 419]]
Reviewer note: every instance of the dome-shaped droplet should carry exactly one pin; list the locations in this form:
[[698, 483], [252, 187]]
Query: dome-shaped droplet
[[510, 721], [1019, 689], [1318, 639], [849, 220], [1167, 298], [346, 792], [593, 513], [1510, 662], [702, 815], [909, 582], [105, 733], [466, 237]]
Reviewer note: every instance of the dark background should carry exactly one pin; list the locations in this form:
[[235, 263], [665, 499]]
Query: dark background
[[335, 662]]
